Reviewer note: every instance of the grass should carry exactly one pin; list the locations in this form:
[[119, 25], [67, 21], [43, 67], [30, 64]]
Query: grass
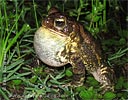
[[22, 76]]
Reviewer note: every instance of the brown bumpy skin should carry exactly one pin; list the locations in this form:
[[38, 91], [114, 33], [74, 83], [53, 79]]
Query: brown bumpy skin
[[61, 40]]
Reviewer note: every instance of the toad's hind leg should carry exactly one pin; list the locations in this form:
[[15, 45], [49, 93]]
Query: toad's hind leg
[[105, 75]]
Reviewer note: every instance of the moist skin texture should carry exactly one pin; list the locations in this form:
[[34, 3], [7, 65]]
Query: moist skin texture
[[61, 40]]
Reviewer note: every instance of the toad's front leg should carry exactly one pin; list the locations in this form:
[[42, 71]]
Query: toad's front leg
[[78, 71]]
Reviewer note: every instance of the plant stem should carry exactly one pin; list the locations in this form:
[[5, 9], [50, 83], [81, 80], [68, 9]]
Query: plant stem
[[35, 14], [104, 14]]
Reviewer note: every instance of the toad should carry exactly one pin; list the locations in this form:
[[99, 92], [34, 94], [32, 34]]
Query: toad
[[61, 40]]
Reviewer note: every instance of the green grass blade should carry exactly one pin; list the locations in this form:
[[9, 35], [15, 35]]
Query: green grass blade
[[14, 40], [16, 63], [3, 94]]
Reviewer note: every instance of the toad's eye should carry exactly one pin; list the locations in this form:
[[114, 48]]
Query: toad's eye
[[59, 23]]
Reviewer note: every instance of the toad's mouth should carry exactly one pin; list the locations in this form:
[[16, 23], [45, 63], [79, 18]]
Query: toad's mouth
[[54, 31]]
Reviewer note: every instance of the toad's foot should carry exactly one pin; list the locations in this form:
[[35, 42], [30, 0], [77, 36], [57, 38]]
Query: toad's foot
[[105, 76]]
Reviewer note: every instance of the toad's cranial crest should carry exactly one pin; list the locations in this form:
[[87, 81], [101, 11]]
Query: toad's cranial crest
[[61, 40]]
